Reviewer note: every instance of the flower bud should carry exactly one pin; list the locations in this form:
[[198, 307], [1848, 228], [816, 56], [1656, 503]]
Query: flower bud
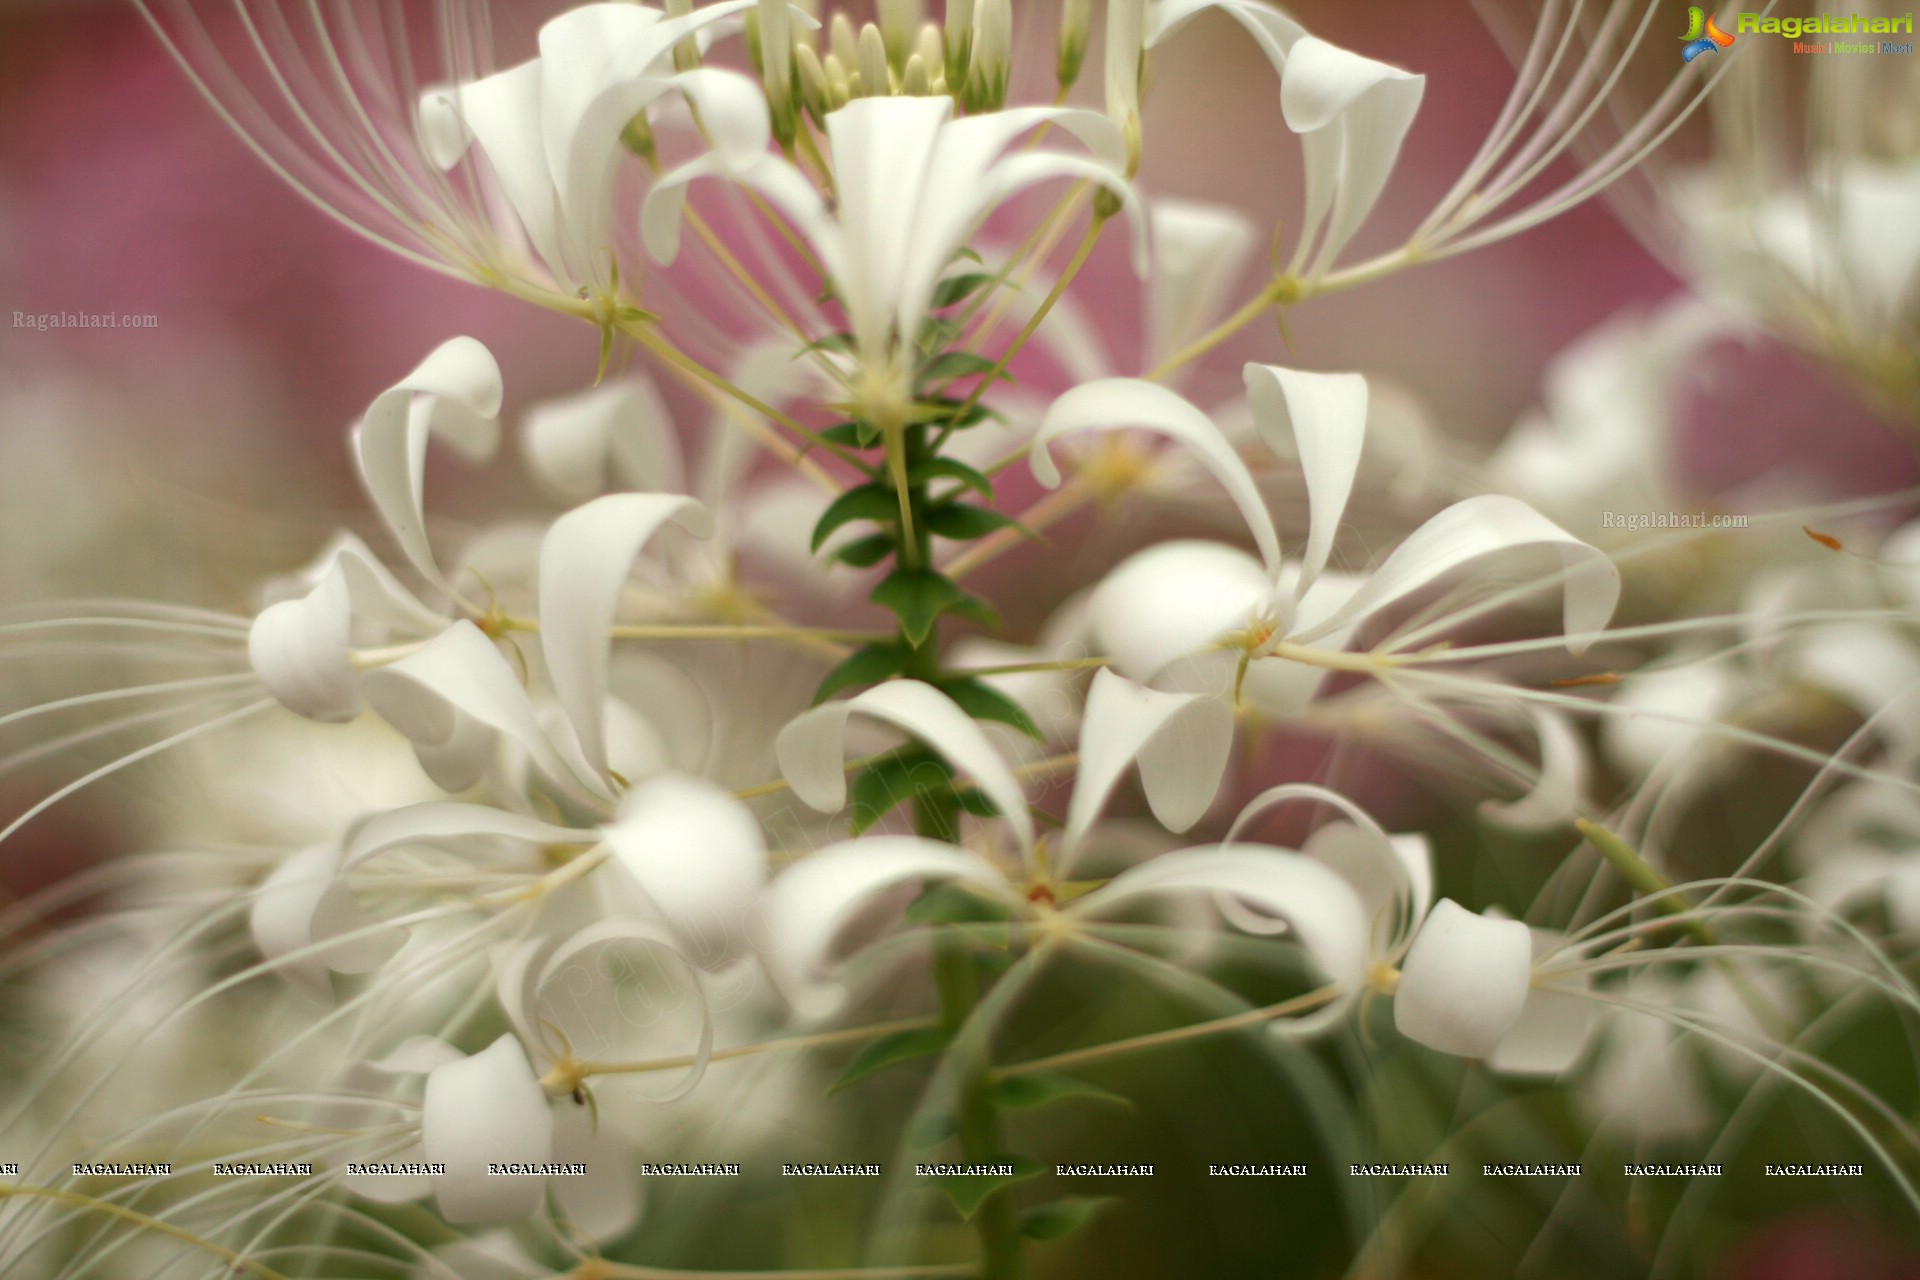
[[874, 72], [815, 95], [775, 29], [899, 23], [992, 56], [844, 41], [1076, 21], [914, 81], [959, 42]]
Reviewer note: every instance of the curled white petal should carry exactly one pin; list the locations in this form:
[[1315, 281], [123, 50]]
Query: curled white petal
[[1179, 740], [697, 852], [1464, 984], [812, 901], [1319, 906], [1555, 797], [1556, 1023], [1324, 417], [484, 1109], [459, 827], [1199, 251], [1116, 403], [455, 394], [812, 748], [305, 922], [584, 561], [1482, 526], [620, 433], [302, 652], [452, 695]]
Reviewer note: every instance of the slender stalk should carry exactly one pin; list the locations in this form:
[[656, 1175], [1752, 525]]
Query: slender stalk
[[818, 1040], [237, 1263], [1176, 1035], [976, 1119]]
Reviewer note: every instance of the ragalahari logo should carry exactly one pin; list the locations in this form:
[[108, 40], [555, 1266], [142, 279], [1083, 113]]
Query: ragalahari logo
[[1703, 34]]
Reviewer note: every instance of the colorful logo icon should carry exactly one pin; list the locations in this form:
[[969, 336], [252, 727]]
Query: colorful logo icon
[[1703, 34]]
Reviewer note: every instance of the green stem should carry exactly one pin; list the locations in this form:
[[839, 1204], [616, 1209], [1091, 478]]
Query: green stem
[[976, 1119]]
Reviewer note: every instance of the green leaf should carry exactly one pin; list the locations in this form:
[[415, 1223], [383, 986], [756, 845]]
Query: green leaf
[[942, 409], [917, 597], [874, 502], [949, 365], [955, 904], [969, 1191], [1023, 1093], [841, 342], [955, 288], [961, 522], [892, 781], [953, 469], [1059, 1218], [930, 1129], [869, 664], [852, 435], [864, 553], [887, 1051], [984, 702]]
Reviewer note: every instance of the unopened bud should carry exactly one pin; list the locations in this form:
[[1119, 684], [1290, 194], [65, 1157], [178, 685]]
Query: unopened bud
[[992, 55], [843, 41], [874, 72], [899, 21], [776, 65], [1076, 22], [959, 42], [814, 94], [686, 54], [914, 81], [839, 83], [1106, 203]]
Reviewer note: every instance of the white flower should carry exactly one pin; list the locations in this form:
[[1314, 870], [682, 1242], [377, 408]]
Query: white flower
[[1183, 598], [1351, 113], [1179, 744], [912, 185], [550, 127]]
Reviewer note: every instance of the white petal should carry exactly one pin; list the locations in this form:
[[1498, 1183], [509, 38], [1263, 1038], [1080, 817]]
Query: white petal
[[698, 853], [572, 444], [883, 150], [1180, 741], [458, 680], [418, 1055], [1175, 599], [1465, 981], [1199, 251], [494, 1256], [1324, 417], [785, 186], [1353, 113], [808, 904], [1117, 403], [607, 1202], [1669, 711], [1321, 907], [305, 922], [812, 748], [1555, 1024], [452, 826], [1900, 562], [301, 650], [1558, 791], [584, 562], [733, 113], [454, 393], [1391, 875], [486, 1108], [588, 996], [1477, 527], [1873, 670]]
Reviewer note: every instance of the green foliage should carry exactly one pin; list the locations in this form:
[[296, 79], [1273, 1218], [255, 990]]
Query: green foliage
[[1060, 1218], [918, 597], [891, 1050], [983, 702], [1042, 1088], [969, 1191], [867, 502], [869, 664]]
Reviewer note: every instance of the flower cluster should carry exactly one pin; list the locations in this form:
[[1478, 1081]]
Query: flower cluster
[[717, 765]]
